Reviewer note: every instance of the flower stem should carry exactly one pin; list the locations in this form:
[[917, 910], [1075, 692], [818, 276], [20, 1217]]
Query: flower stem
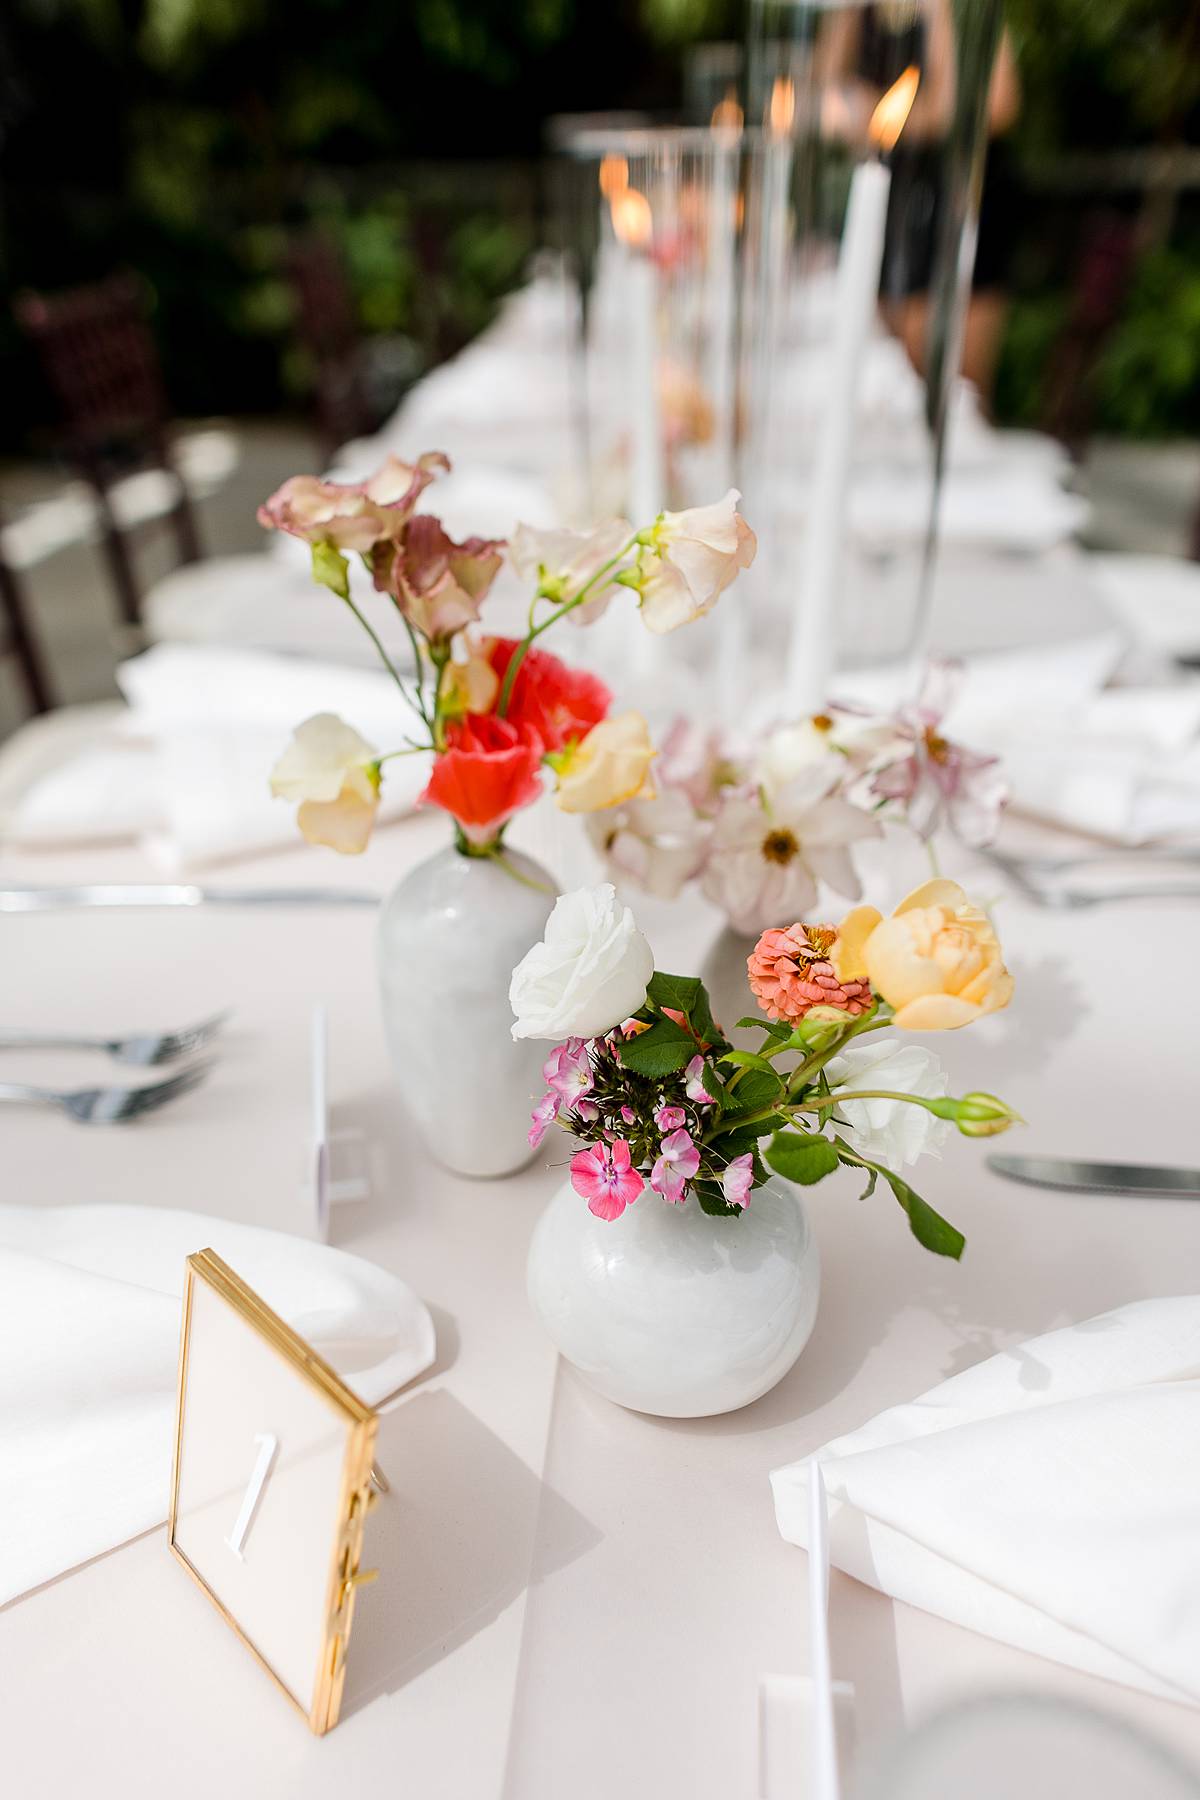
[[386, 660], [535, 631], [498, 856]]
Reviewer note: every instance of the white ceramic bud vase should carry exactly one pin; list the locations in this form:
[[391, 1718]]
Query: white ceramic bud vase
[[668, 1310], [449, 938]]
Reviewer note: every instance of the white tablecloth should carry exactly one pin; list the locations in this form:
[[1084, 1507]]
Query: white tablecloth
[[576, 1599]]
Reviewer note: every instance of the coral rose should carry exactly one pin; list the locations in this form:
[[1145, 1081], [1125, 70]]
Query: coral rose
[[488, 771], [937, 960], [790, 973]]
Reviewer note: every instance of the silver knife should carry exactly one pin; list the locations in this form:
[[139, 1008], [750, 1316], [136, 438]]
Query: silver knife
[[48, 899], [1098, 1177]]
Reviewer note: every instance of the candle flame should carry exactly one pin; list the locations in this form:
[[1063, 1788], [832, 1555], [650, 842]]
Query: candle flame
[[632, 219], [781, 108], [727, 114], [888, 119], [614, 175]]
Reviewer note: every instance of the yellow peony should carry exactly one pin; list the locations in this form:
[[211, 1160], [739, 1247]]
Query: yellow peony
[[610, 765], [937, 960]]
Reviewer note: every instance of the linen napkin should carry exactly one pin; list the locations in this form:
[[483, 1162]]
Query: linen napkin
[[187, 769], [90, 1300], [1047, 1497]]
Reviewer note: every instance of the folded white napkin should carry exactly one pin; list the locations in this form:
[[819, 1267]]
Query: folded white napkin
[[1047, 1497], [187, 769], [89, 1344], [1008, 507]]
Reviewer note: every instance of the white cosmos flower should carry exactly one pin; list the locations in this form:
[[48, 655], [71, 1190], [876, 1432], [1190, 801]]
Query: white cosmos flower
[[764, 865], [890, 1131], [590, 971], [658, 843], [693, 558], [563, 562], [331, 773]]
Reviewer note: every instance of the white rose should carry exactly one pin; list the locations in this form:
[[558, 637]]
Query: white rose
[[332, 774], [590, 971], [693, 558], [890, 1132]]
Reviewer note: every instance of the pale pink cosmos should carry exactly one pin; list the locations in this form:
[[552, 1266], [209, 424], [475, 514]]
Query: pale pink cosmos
[[677, 1164], [737, 1180], [670, 1118], [568, 1071], [693, 1083], [543, 1116], [606, 1179], [936, 781]]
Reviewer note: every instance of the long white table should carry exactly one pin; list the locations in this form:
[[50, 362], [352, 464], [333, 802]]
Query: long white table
[[576, 1600]]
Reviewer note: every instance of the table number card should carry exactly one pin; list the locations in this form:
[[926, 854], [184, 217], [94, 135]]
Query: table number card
[[271, 1485]]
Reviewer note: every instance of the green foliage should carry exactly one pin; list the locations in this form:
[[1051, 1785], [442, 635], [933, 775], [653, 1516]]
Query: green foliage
[[801, 1158], [1148, 376]]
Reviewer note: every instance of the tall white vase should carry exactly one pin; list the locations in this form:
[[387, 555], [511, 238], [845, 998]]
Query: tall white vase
[[670, 1311], [449, 938]]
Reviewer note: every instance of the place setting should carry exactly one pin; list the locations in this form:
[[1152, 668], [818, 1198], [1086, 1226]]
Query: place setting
[[597, 896]]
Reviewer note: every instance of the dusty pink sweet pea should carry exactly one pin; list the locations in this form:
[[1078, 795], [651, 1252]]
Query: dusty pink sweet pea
[[439, 585], [737, 1181], [678, 1162], [605, 1177], [352, 516]]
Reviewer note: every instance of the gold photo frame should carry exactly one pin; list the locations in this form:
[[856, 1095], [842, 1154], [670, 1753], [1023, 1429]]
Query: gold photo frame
[[270, 1485]]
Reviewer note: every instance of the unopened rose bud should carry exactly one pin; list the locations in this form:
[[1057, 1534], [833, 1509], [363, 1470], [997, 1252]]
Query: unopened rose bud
[[983, 1115], [821, 1026]]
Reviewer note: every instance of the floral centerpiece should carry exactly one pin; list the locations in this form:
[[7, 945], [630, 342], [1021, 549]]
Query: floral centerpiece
[[493, 712], [495, 717], [763, 822], [659, 1099]]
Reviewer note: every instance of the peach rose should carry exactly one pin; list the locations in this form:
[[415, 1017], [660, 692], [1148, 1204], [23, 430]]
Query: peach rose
[[937, 960]]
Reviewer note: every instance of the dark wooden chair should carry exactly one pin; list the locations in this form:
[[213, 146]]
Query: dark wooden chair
[[327, 328], [17, 641], [102, 366]]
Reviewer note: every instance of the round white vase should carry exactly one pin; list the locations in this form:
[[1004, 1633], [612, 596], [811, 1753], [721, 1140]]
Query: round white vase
[[668, 1310], [449, 938]]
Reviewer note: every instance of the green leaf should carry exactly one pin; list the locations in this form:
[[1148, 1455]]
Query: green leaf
[[330, 569], [740, 1138], [775, 1029], [747, 1059], [801, 1158], [712, 1200], [686, 994], [927, 1226], [663, 1050], [757, 1088]]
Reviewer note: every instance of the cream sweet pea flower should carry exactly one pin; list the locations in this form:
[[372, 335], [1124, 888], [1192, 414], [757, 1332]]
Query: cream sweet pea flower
[[610, 765], [590, 971], [937, 960], [891, 1132], [563, 562], [691, 559], [333, 775]]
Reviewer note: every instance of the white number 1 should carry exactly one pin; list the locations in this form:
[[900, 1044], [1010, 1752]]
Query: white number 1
[[267, 1446]]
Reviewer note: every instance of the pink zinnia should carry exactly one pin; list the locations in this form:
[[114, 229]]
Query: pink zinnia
[[675, 1167], [790, 972], [604, 1175]]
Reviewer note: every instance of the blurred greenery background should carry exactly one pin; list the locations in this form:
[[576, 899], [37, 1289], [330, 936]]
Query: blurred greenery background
[[189, 139]]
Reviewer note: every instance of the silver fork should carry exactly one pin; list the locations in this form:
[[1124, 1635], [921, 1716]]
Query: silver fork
[[141, 1048], [107, 1106]]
